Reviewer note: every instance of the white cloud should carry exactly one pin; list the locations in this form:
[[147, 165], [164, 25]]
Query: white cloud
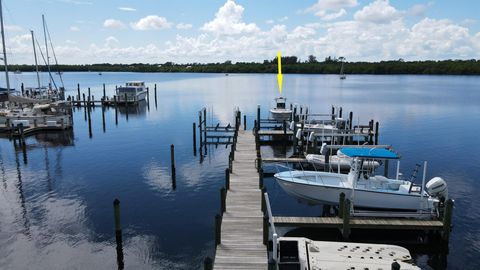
[[111, 41], [151, 22], [419, 9], [379, 11], [113, 24], [334, 15], [13, 28], [228, 21], [283, 19], [76, 2], [184, 26], [127, 9], [331, 9], [269, 21], [74, 29]]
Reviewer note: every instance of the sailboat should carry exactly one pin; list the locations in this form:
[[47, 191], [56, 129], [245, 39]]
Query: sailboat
[[4, 92], [363, 188]]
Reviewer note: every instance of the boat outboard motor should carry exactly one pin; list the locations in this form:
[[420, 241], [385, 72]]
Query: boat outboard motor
[[437, 187]]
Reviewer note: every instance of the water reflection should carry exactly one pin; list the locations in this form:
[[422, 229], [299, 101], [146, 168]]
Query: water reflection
[[56, 192]]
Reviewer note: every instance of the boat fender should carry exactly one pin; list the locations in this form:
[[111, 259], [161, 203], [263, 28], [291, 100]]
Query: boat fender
[[323, 149], [310, 138], [299, 134], [292, 125], [437, 187]]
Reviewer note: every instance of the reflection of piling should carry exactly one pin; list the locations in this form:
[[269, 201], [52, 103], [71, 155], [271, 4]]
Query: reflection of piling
[[218, 229], [89, 119], [103, 118], [194, 140], [172, 162], [148, 99], [118, 233], [126, 106], [208, 264], [116, 109], [227, 179]]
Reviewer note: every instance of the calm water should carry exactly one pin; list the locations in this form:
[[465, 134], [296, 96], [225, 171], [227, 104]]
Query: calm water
[[56, 199]]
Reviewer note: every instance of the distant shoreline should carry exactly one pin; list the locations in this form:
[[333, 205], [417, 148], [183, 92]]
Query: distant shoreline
[[398, 67]]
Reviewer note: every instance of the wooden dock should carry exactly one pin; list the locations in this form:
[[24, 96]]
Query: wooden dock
[[359, 223], [241, 245]]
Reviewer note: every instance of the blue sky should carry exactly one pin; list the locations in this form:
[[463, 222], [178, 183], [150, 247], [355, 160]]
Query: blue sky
[[97, 31]]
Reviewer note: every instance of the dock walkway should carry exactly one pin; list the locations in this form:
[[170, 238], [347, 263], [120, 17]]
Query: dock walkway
[[241, 244]]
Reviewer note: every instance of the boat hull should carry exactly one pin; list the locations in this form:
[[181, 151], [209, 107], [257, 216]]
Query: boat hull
[[280, 114], [314, 192]]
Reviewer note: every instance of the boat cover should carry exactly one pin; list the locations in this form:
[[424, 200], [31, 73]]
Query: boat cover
[[377, 153]]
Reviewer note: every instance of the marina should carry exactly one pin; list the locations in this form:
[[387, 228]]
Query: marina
[[240, 229]]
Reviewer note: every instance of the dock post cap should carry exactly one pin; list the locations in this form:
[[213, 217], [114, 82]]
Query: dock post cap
[[116, 201]]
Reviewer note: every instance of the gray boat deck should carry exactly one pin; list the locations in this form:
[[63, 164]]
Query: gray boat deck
[[242, 224]]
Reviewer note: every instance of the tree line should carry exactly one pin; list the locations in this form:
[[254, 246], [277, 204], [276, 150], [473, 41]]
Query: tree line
[[290, 64]]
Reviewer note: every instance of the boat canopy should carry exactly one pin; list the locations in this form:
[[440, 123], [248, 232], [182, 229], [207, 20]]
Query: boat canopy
[[376, 153]]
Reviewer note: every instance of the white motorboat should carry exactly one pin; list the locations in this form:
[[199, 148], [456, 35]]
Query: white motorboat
[[280, 112], [133, 91], [364, 190], [339, 161], [303, 253]]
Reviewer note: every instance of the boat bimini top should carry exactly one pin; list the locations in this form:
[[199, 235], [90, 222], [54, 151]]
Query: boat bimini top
[[370, 153]]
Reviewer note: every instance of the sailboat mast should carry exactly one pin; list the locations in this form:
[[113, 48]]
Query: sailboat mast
[[36, 63], [46, 49], [4, 50]]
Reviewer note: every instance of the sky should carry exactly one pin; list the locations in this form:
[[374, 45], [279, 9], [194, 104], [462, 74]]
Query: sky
[[193, 31]]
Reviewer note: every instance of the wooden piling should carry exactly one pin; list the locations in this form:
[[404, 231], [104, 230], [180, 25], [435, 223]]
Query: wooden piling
[[333, 113], [244, 122], [395, 266], [385, 168], [260, 178], [78, 92], [447, 220], [341, 205], [89, 95], [376, 132], [346, 220], [116, 109], [265, 230], [258, 117], [155, 90], [84, 100], [104, 94]]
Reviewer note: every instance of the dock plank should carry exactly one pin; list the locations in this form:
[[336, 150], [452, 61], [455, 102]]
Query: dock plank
[[241, 244]]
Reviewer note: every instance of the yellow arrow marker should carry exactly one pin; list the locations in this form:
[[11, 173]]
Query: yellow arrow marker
[[280, 76]]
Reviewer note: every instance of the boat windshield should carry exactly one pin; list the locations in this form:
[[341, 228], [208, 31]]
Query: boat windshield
[[280, 105], [123, 90]]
